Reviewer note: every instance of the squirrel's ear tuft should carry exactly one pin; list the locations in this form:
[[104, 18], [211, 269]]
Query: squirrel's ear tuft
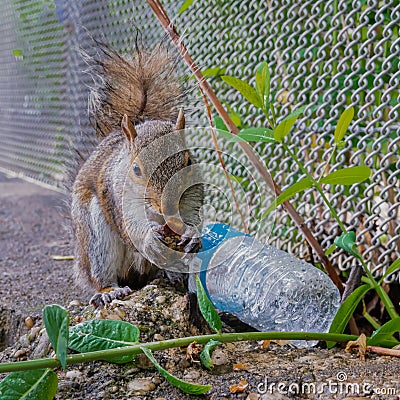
[[128, 128], [180, 123]]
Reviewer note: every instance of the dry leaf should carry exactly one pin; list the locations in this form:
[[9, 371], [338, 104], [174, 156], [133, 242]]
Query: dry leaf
[[240, 387], [192, 352], [360, 345], [265, 344], [239, 367]]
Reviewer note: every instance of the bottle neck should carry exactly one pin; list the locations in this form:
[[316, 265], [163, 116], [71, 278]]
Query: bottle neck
[[213, 235]]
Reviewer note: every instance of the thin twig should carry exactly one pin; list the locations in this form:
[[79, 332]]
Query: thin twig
[[383, 351], [163, 18]]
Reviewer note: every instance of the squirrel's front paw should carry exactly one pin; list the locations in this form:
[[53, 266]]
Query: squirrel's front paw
[[102, 300], [176, 237]]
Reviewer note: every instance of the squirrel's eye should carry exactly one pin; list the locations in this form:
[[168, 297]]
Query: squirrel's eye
[[136, 170], [189, 163]]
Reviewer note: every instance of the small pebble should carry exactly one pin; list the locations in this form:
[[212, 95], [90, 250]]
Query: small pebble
[[158, 337], [19, 353], [75, 303], [131, 371], [192, 375], [114, 389], [156, 380], [219, 357], [141, 386], [160, 299], [32, 335], [29, 322], [143, 362], [24, 341], [73, 374], [253, 396]]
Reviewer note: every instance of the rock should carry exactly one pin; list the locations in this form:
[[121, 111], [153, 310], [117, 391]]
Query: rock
[[158, 337], [141, 386], [160, 299], [29, 322], [24, 341], [75, 303], [20, 353], [219, 357], [114, 389], [32, 335], [73, 374], [143, 362], [43, 346], [191, 375]]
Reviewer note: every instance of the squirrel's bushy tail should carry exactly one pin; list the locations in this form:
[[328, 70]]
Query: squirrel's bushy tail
[[144, 86]]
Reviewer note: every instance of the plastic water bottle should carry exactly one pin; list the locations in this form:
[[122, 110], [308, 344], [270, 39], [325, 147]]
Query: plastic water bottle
[[264, 287]]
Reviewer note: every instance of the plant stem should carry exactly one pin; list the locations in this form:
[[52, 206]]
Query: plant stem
[[389, 306], [273, 115], [371, 320], [317, 185], [166, 344], [328, 162]]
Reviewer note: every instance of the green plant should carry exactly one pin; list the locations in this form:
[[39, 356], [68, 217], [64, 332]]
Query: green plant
[[279, 134], [118, 342]]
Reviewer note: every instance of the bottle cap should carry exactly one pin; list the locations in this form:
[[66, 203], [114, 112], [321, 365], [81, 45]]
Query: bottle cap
[[213, 235]]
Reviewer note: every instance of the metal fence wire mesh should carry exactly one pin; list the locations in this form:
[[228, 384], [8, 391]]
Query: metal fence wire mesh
[[325, 53]]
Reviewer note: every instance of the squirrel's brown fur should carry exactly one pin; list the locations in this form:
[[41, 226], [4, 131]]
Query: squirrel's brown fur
[[118, 210], [142, 86]]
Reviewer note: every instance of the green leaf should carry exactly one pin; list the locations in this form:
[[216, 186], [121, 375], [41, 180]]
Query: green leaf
[[347, 176], [236, 119], [186, 4], [39, 384], [297, 113], [346, 310], [220, 124], [247, 91], [383, 335], [187, 387], [263, 79], [229, 137], [347, 242], [257, 135], [216, 71], [392, 268], [297, 187], [206, 307], [205, 355], [17, 52], [284, 128], [330, 250], [343, 124], [56, 321], [96, 335]]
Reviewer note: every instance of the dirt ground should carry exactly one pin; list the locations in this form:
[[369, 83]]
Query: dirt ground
[[34, 226]]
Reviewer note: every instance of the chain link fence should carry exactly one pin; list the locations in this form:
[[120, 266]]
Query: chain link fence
[[329, 54]]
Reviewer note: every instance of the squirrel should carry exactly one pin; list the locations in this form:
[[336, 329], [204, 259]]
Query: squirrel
[[123, 216]]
